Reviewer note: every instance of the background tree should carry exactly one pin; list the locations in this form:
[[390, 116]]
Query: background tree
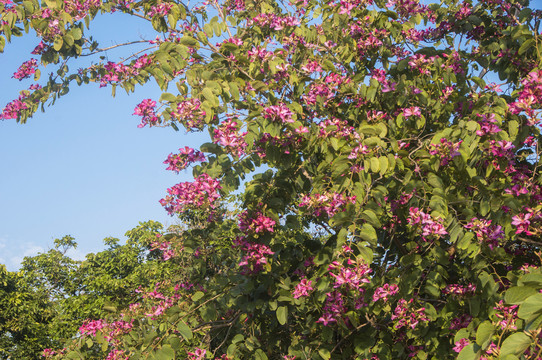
[[369, 191]]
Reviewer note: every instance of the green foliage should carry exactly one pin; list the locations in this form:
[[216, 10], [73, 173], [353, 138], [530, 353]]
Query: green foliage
[[368, 192]]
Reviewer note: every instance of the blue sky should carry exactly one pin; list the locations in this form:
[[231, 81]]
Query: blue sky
[[82, 168]]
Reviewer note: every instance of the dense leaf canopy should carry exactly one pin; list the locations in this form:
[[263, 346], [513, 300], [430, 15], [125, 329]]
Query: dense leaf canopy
[[372, 189]]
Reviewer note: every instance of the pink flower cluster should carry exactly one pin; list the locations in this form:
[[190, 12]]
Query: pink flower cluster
[[92, 326], [422, 63], [368, 40], [328, 203], [161, 9], [79, 9], [529, 97], [446, 150], [380, 76], [460, 322], [346, 6], [487, 124], [506, 315], [27, 69], [255, 223], [302, 289], [274, 21], [9, 6], [336, 127], [190, 112], [406, 316], [352, 276], [110, 330], [278, 112], [485, 232], [164, 247], [349, 276], [360, 149], [13, 109], [334, 308], [324, 91], [146, 109], [412, 111], [164, 302], [311, 67], [426, 224], [522, 222], [384, 292], [409, 8], [227, 135], [255, 256], [117, 354], [259, 53], [460, 290], [460, 344], [118, 72], [501, 149], [202, 193], [185, 157], [198, 354], [40, 48]]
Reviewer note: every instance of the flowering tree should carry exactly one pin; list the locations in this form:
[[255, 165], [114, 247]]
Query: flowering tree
[[372, 189]]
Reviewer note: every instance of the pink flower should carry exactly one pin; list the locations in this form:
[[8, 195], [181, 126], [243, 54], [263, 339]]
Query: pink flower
[[302, 289], [459, 345], [27, 69], [412, 111], [278, 112], [326, 319], [407, 316], [186, 156], [255, 256], [145, 109], [198, 354], [522, 222], [202, 193], [227, 135], [257, 223], [460, 322], [385, 292], [426, 224]]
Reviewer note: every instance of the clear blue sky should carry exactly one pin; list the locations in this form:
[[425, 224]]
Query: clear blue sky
[[82, 168]]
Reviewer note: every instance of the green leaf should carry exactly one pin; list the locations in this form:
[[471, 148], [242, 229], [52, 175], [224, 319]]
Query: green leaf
[[375, 164], [234, 90], [368, 233], [208, 93], [370, 216], [197, 295], [527, 44], [166, 352], [531, 279], [57, 43], [484, 333], [469, 352], [168, 97], [74, 355], [185, 330], [188, 41], [515, 344], [324, 353], [260, 355], [383, 164], [531, 306], [517, 294], [282, 314]]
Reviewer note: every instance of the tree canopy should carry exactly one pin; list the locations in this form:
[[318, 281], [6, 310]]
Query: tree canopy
[[372, 189]]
